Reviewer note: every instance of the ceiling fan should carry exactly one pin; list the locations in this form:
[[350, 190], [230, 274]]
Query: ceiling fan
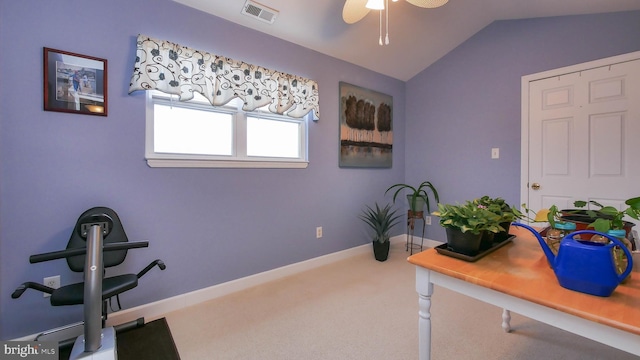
[[354, 10]]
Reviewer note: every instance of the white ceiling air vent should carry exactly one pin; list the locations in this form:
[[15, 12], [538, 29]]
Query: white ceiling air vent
[[259, 11]]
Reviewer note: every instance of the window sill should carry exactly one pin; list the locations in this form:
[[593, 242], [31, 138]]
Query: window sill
[[172, 163]]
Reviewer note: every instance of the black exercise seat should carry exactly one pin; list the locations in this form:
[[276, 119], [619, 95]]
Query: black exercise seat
[[74, 294]]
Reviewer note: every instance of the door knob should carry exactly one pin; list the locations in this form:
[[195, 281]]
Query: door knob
[[535, 186]]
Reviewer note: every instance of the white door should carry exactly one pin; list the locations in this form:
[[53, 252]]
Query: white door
[[582, 135]]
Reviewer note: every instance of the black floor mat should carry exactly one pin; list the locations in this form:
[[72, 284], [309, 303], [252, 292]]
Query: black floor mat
[[151, 341]]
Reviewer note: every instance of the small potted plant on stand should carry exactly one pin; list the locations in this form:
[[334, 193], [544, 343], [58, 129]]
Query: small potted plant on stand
[[381, 220], [418, 197], [465, 225]]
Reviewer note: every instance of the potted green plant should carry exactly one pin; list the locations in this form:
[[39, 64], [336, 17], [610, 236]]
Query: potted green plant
[[603, 219], [507, 213], [607, 218], [417, 197], [558, 228], [381, 220], [465, 225]]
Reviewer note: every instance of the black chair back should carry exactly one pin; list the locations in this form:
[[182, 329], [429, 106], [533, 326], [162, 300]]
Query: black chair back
[[115, 234]]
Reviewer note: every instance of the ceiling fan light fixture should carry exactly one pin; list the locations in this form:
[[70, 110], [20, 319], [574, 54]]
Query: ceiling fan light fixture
[[354, 11], [350, 15], [430, 4], [375, 4]]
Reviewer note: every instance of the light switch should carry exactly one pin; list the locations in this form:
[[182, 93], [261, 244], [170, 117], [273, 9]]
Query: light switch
[[495, 153]]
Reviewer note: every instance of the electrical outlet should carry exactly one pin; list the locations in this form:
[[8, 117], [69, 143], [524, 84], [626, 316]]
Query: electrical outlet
[[52, 282], [318, 232], [427, 220]]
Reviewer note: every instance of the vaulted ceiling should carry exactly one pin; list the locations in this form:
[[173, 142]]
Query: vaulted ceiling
[[418, 36]]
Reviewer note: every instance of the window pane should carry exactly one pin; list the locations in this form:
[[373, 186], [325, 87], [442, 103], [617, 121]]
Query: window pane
[[191, 131], [272, 138]]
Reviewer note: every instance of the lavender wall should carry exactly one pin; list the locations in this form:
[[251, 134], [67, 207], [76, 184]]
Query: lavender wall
[[216, 225], [208, 225], [469, 101]]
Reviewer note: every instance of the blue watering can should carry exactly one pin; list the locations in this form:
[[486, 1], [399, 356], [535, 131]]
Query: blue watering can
[[585, 266]]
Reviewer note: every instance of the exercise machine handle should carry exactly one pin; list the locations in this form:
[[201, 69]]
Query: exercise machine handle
[[158, 262], [31, 285], [61, 254]]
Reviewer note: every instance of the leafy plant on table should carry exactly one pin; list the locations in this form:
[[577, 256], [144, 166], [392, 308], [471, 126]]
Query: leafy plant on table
[[608, 217], [500, 207], [469, 217]]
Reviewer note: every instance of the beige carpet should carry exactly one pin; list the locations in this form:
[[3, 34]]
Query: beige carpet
[[363, 309]]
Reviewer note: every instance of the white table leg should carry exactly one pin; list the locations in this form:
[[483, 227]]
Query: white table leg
[[506, 320], [425, 289]]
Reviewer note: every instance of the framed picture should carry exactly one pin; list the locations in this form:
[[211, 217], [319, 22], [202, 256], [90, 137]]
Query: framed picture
[[366, 128], [74, 83]]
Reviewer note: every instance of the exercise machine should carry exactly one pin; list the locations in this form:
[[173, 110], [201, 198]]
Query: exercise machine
[[98, 241]]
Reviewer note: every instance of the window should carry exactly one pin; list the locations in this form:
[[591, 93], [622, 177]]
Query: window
[[196, 134]]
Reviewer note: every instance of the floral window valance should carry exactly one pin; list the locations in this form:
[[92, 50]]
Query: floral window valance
[[179, 70]]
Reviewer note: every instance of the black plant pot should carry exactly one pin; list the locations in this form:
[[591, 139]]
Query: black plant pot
[[503, 235], [381, 250], [463, 243], [486, 241]]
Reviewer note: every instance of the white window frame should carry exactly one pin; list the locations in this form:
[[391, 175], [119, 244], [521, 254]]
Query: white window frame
[[239, 159]]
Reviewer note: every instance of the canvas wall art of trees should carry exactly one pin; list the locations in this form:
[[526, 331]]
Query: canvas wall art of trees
[[366, 127]]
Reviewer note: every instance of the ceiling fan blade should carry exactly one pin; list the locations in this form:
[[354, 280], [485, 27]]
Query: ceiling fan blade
[[427, 3], [354, 11]]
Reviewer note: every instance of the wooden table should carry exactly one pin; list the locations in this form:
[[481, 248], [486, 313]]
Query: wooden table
[[517, 277]]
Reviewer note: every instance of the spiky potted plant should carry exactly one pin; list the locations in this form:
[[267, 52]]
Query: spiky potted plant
[[381, 220]]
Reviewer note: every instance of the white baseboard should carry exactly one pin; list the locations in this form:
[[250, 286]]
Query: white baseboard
[[159, 308]]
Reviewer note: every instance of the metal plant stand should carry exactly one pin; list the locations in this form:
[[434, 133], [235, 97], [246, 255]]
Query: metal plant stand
[[412, 216]]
